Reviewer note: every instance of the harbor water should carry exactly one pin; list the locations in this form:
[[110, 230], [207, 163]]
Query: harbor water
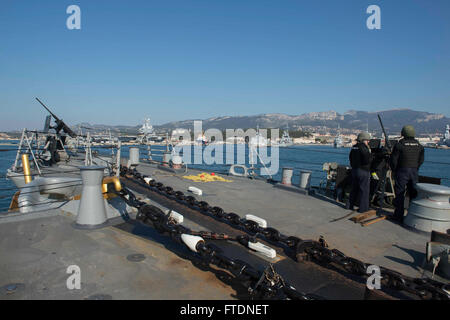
[[307, 157]]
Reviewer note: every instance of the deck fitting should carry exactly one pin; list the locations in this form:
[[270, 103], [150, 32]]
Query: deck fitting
[[136, 257]]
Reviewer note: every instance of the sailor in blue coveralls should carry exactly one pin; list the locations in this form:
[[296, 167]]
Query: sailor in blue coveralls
[[360, 161], [406, 159]]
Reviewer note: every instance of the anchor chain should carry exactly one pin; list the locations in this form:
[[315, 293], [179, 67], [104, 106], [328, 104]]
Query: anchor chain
[[310, 250], [260, 285]]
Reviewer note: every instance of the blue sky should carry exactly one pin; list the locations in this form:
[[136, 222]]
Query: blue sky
[[176, 60]]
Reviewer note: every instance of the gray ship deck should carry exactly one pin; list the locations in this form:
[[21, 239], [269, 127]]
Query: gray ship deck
[[385, 243], [36, 248]]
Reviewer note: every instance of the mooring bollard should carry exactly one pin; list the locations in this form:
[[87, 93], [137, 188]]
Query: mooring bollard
[[92, 211], [431, 209], [134, 156], [305, 179], [287, 176]]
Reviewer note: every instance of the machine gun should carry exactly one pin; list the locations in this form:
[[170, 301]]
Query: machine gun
[[386, 139], [385, 168], [60, 125]]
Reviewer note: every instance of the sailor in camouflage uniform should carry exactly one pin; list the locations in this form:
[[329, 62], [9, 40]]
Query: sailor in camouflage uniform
[[360, 161], [406, 159]]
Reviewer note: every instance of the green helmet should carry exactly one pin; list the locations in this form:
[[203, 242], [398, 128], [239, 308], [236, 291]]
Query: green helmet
[[408, 132], [363, 136]]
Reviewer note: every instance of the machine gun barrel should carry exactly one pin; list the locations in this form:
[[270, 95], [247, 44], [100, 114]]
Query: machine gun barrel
[[386, 138], [385, 170], [53, 115], [60, 125]]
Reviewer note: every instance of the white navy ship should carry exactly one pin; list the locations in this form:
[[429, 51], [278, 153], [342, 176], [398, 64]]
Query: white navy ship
[[338, 141], [147, 133], [147, 128], [446, 139], [286, 140]]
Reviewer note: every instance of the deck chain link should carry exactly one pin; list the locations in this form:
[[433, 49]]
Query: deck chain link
[[260, 285]]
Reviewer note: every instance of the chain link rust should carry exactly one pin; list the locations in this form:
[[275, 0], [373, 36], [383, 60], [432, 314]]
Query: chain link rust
[[310, 250]]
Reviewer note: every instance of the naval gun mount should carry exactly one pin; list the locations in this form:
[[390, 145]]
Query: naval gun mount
[[338, 183]]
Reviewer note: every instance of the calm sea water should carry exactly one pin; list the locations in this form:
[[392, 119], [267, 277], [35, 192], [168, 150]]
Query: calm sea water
[[437, 163]]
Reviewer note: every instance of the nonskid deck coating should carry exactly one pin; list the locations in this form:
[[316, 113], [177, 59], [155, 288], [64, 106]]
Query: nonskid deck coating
[[35, 254], [37, 248]]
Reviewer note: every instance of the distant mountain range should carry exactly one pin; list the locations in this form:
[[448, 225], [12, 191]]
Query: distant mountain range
[[353, 120]]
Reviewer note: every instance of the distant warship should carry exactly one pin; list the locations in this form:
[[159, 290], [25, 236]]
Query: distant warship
[[446, 139], [286, 140], [338, 141]]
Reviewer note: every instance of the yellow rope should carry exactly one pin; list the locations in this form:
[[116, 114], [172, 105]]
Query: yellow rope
[[206, 177]]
